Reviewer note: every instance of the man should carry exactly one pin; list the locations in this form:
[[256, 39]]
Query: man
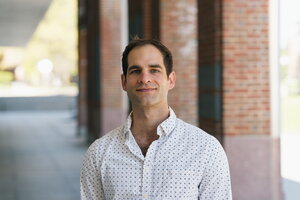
[[154, 155]]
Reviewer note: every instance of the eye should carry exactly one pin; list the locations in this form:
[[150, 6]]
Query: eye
[[135, 71], [154, 70]]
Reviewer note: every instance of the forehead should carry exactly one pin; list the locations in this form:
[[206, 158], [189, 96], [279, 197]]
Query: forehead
[[145, 53]]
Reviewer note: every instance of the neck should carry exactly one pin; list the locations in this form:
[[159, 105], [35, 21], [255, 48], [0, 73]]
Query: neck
[[147, 119]]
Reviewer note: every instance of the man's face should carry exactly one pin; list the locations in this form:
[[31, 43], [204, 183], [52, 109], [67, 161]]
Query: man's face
[[146, 81]]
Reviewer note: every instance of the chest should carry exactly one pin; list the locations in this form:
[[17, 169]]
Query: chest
[[173, 174]]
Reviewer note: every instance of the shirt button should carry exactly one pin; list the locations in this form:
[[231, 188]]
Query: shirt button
[[146, 169], [145, 196]]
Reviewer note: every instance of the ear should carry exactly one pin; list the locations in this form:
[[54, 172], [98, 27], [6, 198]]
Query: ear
[[172, 80], [123, 80]]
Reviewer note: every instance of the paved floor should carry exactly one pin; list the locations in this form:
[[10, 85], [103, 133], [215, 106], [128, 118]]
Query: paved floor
[[40, 156]]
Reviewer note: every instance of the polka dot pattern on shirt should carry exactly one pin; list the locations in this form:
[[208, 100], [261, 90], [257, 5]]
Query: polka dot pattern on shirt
[[184, 163]]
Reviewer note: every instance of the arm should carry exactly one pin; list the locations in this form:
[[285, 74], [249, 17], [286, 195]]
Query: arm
[[90, 179], [215, 183]]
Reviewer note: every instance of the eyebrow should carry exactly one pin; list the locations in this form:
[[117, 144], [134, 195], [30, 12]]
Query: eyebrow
[[138, 67], [155, 66], [133, 67]]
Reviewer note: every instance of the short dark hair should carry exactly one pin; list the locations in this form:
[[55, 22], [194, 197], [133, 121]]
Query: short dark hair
[[137, 42]]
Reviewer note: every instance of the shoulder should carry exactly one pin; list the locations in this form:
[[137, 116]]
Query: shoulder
[[203, 140], [205, 149], [99, 146], [194, 132]]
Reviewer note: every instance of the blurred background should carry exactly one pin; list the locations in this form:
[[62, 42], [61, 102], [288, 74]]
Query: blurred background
[[290, 97], [40, 153], [238, 71], [38, 53]]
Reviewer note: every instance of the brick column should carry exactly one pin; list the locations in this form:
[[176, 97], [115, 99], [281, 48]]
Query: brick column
[[252, 151], [88, 100], [210, 66], [93, 68], [151, 21], [178, 31], [113, 103]]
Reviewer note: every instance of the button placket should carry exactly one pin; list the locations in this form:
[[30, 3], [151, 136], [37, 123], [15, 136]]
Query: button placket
[[148, 161]]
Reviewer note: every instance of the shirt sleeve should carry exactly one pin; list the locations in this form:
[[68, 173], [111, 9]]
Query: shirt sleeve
[[90, 178], [216, 183]]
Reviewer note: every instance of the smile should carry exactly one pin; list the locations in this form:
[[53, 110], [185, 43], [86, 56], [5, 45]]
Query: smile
[[145, 89]]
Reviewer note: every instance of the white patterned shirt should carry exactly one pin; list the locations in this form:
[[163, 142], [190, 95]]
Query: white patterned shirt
[[184, 163]]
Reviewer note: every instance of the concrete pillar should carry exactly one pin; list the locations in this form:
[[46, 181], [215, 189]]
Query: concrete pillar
[[252, 150]]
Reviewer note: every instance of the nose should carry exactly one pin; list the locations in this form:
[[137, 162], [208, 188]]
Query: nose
[[144, 78]]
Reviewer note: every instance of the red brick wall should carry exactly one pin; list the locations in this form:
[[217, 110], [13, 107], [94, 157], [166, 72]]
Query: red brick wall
[[112, 106], [253, 153], [178, 32], [245, 67]]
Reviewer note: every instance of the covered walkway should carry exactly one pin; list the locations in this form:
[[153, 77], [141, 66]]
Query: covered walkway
[[40, 155]]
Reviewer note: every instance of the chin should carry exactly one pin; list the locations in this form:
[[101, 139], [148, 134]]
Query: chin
[[145, 103]]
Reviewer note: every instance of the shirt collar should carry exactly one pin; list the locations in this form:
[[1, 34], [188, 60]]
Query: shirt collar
[[169, 124], [166, 126]]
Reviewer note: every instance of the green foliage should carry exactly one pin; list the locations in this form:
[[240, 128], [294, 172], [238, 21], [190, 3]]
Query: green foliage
[[6, 77]]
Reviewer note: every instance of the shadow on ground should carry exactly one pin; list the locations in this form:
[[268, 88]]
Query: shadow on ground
[[40, 155]]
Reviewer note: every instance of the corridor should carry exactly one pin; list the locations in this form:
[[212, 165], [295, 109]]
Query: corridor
[[40, 155]]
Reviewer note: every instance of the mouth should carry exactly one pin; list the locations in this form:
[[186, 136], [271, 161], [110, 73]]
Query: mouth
[[145, 89]]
